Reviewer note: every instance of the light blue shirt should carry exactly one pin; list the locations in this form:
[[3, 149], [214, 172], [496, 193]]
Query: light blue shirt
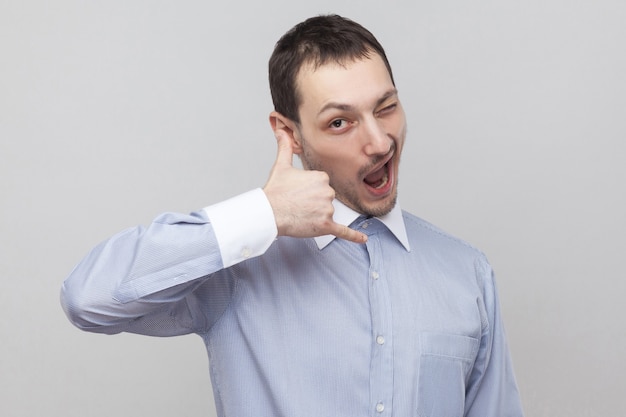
[[405, 325]]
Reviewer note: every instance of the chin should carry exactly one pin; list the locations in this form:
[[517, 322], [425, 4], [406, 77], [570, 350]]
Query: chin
[[380, 208]]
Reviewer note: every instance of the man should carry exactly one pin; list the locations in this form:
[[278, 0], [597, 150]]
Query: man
[[393, 318]]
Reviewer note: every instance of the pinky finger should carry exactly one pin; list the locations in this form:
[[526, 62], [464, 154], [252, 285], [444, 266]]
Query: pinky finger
[[344, 232]]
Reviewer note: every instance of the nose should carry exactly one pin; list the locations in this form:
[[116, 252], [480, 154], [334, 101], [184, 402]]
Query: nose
[[376, 141]]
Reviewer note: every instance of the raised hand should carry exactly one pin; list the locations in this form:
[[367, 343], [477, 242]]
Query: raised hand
[[302, 199]]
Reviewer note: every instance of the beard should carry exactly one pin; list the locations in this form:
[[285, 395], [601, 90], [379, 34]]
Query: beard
[[346, 190]]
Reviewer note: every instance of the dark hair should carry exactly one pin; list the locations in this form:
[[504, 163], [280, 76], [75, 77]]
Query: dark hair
[[317, 41]]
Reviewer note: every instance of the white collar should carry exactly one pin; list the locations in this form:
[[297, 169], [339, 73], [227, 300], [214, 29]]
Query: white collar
[[344, 215]]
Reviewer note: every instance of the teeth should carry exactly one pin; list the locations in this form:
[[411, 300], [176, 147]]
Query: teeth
[[383, 181]]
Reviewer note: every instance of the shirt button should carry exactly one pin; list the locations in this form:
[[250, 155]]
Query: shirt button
[[380, 340], [365, 225], [375, 275], [245, 252], [380, 407]]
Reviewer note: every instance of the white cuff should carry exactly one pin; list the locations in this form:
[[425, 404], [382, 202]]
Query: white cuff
[[244, 226]]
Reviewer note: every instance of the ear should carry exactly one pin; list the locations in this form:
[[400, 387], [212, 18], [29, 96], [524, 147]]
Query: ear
[[280, 122]]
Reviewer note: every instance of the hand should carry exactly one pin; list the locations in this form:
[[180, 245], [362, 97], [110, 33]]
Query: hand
[[302, 200]]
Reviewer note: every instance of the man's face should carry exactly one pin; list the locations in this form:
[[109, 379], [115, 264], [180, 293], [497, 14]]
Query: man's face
[[352, 126]]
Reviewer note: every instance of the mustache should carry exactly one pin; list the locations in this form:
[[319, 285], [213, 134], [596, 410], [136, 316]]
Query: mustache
[[377, 160]]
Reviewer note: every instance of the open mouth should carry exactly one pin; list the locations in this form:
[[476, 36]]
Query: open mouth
[[379, 178]]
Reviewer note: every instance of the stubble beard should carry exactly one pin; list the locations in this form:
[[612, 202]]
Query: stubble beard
[[346, 191]]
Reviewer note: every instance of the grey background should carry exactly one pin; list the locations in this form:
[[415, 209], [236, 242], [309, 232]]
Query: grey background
[[114, 111]]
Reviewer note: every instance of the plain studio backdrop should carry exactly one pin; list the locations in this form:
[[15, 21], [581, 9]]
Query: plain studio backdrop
[[112, 112]]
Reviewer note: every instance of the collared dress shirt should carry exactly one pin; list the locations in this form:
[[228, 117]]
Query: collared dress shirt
[[405, 325]]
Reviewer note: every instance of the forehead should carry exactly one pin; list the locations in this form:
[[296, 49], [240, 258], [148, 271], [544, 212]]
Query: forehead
[[356, 83]]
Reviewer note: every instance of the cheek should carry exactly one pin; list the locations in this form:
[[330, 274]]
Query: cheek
[[343, 169], [335, 154], [399, 125], [399, 133]]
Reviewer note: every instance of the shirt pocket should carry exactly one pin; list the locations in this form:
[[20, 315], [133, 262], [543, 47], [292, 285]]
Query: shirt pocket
[[445, 364]]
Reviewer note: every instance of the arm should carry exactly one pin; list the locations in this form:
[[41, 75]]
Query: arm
[[139, 279], [492, 389]]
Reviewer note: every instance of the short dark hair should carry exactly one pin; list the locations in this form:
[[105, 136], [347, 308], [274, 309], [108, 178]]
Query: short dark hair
[[317, 41]]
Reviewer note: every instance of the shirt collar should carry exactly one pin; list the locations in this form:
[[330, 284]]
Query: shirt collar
[[344, 215]]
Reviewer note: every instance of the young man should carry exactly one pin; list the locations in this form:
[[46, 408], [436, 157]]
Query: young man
[[395, 318]]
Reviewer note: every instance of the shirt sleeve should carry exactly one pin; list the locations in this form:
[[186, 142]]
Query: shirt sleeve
[[139, 280], [492, 390], [244, 226]]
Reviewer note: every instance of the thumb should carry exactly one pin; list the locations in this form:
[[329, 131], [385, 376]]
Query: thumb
[[285, 149]]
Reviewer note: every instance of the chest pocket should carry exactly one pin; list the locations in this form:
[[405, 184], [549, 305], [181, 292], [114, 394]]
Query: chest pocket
[[445, 364]]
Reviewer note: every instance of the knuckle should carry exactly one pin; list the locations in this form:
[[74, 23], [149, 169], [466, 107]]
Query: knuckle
[[323, 176], [327, 222]]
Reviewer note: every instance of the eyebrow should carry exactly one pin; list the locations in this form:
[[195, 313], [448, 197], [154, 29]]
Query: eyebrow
[[349, 107]]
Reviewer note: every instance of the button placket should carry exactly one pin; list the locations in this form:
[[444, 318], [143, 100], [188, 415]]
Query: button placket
[[381, 371]]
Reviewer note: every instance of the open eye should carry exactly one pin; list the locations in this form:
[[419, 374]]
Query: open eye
[[338, 123]]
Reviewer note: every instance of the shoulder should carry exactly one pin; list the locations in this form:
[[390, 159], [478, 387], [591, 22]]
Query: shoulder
[[445, 252], [425, 236]]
